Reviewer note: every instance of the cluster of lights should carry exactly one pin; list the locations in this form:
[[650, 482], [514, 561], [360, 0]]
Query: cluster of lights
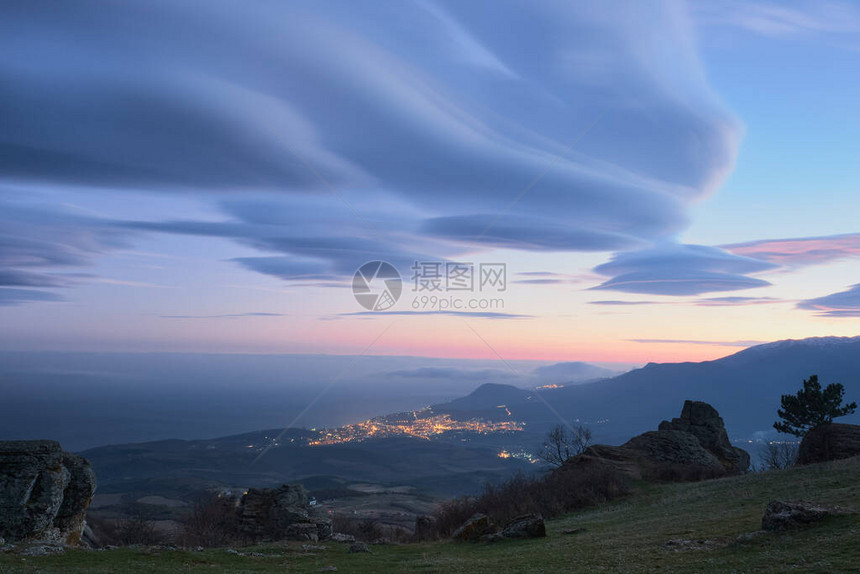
[[518, 454], [548, 387], [418, 427]]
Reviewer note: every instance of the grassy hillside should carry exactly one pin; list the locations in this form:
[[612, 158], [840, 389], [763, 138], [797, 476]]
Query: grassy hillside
[[624, 536]]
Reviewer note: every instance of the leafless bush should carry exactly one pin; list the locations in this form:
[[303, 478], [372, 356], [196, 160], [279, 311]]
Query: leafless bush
[[777, 456], [138, 530], [212, 522], [564, 490], [369, 529], [562, 443]]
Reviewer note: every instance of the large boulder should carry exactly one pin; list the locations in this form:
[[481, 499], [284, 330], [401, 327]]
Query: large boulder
[[693, 446], [525, 526], [471, 530], [829, 442], [672, 447], [44, 492], [704, 422], [788, 515], [280, 513]]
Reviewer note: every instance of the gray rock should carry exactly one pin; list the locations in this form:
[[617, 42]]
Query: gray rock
[[281, 513], [323, 528], [789, 515], [829, 442], [340, 537], [672, 447], [358, 547], [304, 531], [695, 444], [750, 536], [43, 550], [494, 537], [44, 492], [704, 422], [525, 526], [473, 529]]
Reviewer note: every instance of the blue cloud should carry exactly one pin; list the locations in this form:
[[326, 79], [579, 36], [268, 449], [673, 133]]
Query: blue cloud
[[10, 296], [416, 122], [676, 269], [842, 304]]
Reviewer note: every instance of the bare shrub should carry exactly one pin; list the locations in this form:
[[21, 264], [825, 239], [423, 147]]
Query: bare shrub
[[564, 490], [212, 522], [562, 442], [369, 529], [138, 530], [777, 456]]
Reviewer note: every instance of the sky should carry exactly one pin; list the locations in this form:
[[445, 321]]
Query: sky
[[610, 182]]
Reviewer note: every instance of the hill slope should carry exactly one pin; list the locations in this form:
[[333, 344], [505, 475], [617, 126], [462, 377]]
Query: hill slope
[[624, 536]]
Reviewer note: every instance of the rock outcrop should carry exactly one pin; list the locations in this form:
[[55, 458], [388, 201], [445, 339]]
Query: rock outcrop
[[829, 442], [479, 528], [525, 526], [281, 513], [695, 445], [788, 515], [472, 530], [704, 422], [44, 492]]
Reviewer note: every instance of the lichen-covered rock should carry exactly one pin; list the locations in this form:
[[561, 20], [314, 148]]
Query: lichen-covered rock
[[788, 515], [829, 442], [672, 447], [44, 492], [690, 447], [281, 513], [473, 529], [525, 526], [304, 531], [704, 422]]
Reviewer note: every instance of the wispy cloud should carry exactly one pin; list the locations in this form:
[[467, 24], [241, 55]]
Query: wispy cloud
[[10, 296], [223, 316], [802, 251], [842, 304], [737, 301], [617, 303], [698, 342], [783, 18]]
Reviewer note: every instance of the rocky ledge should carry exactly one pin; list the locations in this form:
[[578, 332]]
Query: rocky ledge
[[44, 492], [695, 445]]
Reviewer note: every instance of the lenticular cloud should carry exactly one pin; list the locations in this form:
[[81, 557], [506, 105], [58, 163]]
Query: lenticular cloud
[[604, 126]]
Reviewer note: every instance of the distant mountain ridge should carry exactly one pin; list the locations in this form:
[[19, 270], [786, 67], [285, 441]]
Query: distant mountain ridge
[[745, 387]]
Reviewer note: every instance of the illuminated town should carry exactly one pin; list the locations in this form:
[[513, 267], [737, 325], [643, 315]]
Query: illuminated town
[[412, 425]]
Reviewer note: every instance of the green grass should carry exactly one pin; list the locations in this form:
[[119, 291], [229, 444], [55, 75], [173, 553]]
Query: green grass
[[624, 536]]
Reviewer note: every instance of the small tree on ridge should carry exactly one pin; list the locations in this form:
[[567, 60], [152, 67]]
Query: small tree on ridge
[[811, 407], [561, 444]]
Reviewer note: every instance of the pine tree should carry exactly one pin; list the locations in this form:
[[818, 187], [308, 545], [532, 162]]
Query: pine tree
[[811, 407]]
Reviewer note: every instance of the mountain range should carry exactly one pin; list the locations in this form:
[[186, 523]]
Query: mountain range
[[744, 387]]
